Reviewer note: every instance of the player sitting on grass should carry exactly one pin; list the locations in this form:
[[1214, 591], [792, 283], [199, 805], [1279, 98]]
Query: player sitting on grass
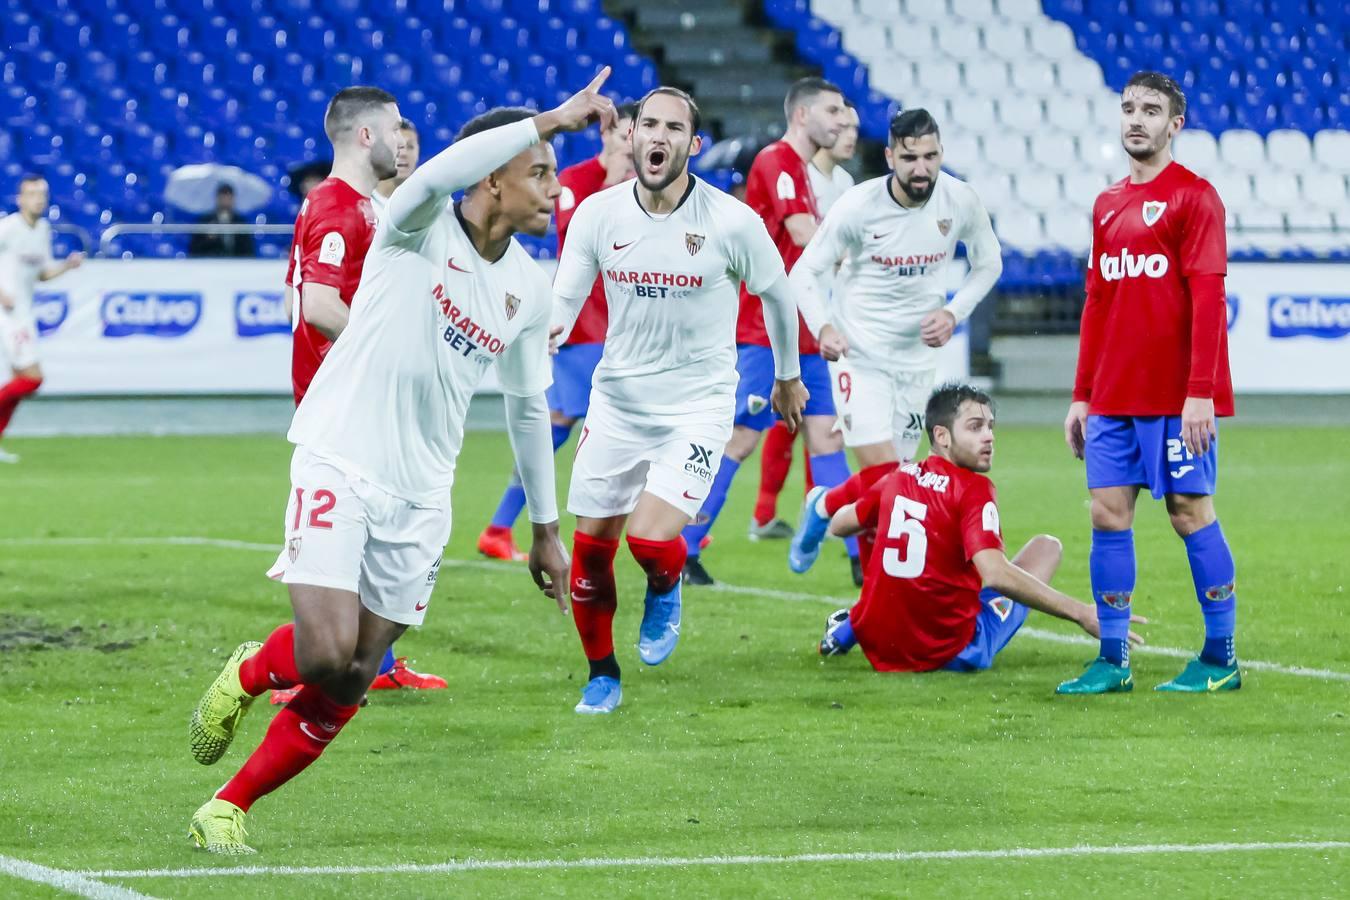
[[939, 593]]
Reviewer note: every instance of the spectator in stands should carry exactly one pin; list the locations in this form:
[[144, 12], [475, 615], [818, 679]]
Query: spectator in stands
[[222, 244]]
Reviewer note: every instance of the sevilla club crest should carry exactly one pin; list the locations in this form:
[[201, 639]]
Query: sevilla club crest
[[512, 305], [944, 226], [693, 242], [1153, 210], [293, 549]]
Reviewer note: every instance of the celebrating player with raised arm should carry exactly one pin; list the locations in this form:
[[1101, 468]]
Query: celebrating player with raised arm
[[895, 235], [446, 295], [1152, 377], [672, 253], [939, 592], [25, 260]]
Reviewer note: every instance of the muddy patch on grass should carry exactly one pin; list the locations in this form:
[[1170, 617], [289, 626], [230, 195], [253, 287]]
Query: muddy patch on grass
[[20, 633]]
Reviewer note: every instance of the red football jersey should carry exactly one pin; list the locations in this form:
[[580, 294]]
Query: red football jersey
[[579, 182], [332, 235], [922, 592], [778, 186], [1143, 333]]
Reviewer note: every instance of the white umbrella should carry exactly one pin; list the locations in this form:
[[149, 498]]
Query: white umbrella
[[193, 188]]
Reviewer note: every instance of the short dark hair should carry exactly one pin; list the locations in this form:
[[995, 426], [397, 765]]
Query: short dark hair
[[1163, 84], [493, 118], [224, 188], [804, 90], [626, 110], [407, 125], [30, 177], [913, 123], [695, 117], [349, 105], [945, 402]]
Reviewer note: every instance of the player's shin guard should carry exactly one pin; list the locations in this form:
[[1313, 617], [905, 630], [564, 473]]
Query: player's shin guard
[[661, 560], [273, 667], [775, 460], [1213, 573], [831, 470], [696, 530], [1111, 564], [12, 394], [594, 600], [299, 733]]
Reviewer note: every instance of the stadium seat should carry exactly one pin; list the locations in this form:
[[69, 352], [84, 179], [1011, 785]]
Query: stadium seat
[[1020, 229], [1196, 150]]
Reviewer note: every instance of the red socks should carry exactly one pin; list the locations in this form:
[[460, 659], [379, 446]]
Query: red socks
[[273, 667], [10, 395], [774, 462], [663, 561], [594, 597], [296, 737]]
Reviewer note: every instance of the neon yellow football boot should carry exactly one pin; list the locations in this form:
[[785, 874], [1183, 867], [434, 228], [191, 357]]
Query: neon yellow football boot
[[218, 827], [218, 713]]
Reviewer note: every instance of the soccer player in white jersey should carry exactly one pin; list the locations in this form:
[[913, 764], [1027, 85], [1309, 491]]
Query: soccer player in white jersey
[[406, 157], [892, 238], [672, 252], [446, 294], [25, 259], [829, 181]]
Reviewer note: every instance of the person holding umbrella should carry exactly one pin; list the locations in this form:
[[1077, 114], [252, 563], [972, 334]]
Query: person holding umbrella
[[236, 245]]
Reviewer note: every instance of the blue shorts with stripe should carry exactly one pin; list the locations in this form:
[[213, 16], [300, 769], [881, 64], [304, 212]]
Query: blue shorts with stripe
[[1125, 451], [997, 622], [754, 365], [573, 367]]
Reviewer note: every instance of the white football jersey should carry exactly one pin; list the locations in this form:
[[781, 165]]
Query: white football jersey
[[828, 188], [25, 251], [379, 204], [429, 319], [673, 286], [893, 259]]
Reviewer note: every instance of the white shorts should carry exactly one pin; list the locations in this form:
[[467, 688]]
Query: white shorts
[[343, 532], [876, 406], [18, 339], [622, 454]]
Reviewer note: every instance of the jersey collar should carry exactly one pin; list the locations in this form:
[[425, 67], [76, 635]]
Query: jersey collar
[[687, 191]]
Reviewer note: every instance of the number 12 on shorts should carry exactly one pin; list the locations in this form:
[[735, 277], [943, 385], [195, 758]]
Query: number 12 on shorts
[[906, 519], [321, 502]]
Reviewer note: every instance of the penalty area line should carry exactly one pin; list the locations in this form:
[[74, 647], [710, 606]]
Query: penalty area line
[[77, 883], [650, 862], [1054, 637]]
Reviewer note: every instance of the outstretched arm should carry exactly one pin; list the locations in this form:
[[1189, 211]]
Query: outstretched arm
[[1018, 584]]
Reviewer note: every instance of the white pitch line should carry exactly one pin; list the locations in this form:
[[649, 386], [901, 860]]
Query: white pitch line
[[78, 883], [1039, 634], [648, 862]]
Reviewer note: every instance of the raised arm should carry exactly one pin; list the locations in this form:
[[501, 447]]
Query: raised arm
[[417, 202]]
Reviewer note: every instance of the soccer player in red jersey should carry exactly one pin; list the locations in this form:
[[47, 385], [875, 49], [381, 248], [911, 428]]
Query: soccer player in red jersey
[[779, 189], [570, 396], [332, 234], [939, 592], [1152, 378]]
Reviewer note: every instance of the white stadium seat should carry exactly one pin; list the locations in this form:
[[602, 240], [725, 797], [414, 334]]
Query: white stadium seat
[[995, 190], [1196, 150], [1314, 230], [986, 76], [1235, 190], [1020, 229], [960, 150], [1055, 151], [1038, 189], [976, 114], [937, 79], [1103, 154], [867, 40], [1323, 189], [916, 41], [924, 11], [1067, 113], [1080, 75], [1278, 190], [1034, 76], [959, 41], [1081, 188], [1053, 40], [1242, 150], [1006, 40], [1005, 152], [1289, 150], [880, 10], [1331, 148], [1020, 10], [974, 10], [1069, 230], [892, 76], [1264, 230], [1021, 113]]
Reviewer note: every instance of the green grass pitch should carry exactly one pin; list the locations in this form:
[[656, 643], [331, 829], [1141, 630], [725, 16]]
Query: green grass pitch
[[744, 744]]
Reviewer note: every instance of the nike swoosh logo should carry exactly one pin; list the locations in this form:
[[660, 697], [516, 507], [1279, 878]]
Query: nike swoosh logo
[[304, 726], [421, 606], [618, 246], [880, 237], [452, 265], [1215, 685], [1182, 471], [689, 496]]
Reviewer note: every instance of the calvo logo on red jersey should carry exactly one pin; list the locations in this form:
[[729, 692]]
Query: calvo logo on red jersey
[[1127, 265]]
